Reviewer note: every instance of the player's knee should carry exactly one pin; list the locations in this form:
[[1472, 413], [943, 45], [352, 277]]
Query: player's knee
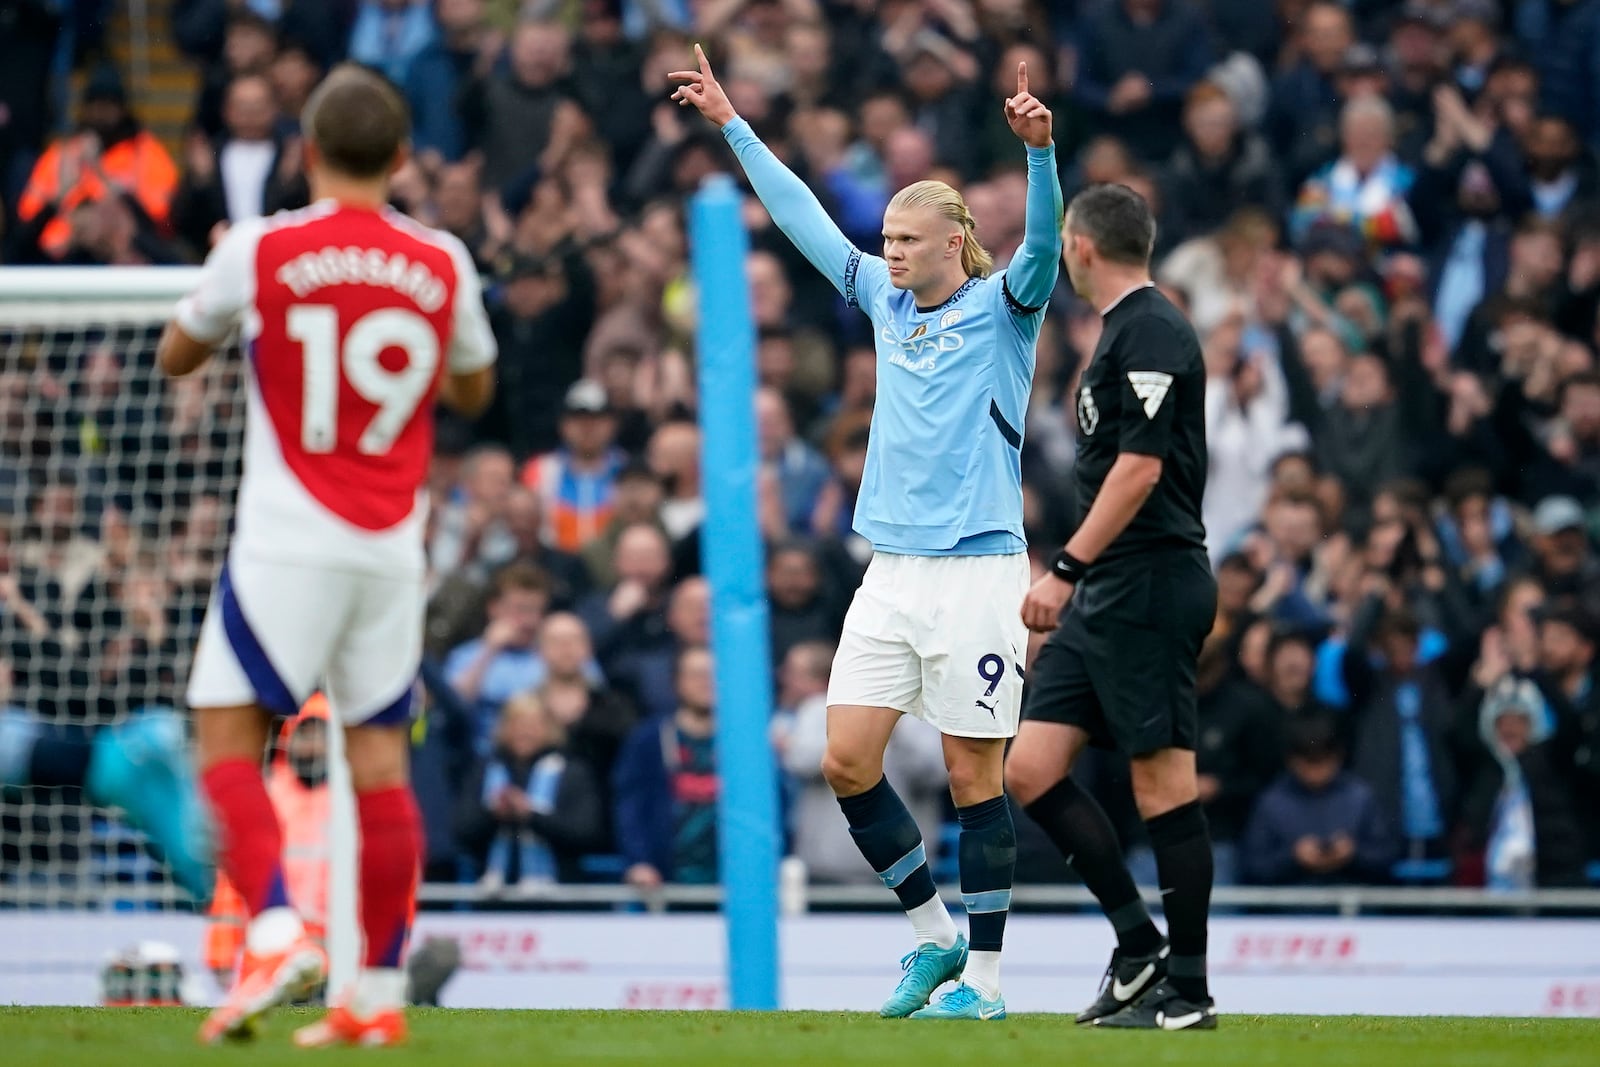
[[1159, 788], [378, 757], [1027, 780], [974, 780], [848, 774], [231, 733]]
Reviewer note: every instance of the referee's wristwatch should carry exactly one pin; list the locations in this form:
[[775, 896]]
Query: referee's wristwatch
[[1067, 567]]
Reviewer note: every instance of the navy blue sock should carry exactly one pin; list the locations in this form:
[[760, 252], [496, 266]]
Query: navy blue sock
[[888, 837], [60, 758], [988, 858]]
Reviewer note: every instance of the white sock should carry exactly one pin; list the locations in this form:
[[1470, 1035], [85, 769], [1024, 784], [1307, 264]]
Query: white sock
[[378, 989], [932, 923], [983, 973], [273, 930]]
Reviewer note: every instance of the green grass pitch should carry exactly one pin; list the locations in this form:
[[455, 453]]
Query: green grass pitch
[[68, 1037]]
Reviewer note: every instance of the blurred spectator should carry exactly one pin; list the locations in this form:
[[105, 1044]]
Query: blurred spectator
[[804, 607], [642, 667], [463, 48], [1561, 170], [1290, 663], [1137, 61], [455, 610], [913, 762], [1400, 724], [320, 26], [251, 171], [488, 670], [294, 73], [1563, 36], [666, 785], [1563, 560], [576, 482], [605, 72], [519, 115], [472, 527], [597, 720], [1318, 823], [1303, 123], [1240, 751], [1520, 812], [1366, 187], [542, 312], [1217, 168], [531, 810], [674, 456], [388, 35], [637, 496], [112, 163], [629, 620], [801, 471], [249, 47], [28, 33], [458, 207]]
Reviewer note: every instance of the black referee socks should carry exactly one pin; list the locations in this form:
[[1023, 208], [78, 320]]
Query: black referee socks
[[888, 837], [1078, 825], [1182, 845], [988, 858]]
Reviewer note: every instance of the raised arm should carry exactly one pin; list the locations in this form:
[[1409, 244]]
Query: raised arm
[[791, 204], [1031, 278]]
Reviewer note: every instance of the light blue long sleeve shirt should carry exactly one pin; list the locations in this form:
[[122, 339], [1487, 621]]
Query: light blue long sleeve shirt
[[943, 473]]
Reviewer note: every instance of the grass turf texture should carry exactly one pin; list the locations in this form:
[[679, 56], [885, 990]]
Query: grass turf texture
[[58, 1037]]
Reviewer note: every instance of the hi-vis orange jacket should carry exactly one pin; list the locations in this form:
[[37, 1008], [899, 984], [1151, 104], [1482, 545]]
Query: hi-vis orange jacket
[[303, 817], [139, 164]]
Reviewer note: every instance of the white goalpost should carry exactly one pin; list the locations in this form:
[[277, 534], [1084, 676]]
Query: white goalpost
[[116, 497]]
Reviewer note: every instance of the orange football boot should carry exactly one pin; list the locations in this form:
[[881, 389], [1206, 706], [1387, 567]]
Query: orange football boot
[[265, 981], [341, 1026]]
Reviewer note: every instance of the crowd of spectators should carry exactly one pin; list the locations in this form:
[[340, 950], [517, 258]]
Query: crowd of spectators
[[1382, 217]]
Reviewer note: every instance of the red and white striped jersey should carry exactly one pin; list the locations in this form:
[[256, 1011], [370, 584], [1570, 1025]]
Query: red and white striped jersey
[[349, 318]]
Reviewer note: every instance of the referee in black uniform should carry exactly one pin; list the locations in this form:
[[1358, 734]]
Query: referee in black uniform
[[1119, 672]]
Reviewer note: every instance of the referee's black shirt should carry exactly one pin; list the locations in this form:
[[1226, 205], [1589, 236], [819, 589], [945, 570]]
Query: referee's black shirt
[[1144, 392]]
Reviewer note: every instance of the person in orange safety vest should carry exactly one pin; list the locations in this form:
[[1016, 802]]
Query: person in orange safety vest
[[298, 785], [110, 154]]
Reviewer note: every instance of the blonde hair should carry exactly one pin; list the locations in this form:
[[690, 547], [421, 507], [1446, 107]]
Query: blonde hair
[[947, 201], [529, 703]]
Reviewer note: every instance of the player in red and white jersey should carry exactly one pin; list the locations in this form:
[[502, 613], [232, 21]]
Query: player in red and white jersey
[[355, 321]]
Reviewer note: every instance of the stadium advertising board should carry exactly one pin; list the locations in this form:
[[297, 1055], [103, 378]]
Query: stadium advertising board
[[1526, 967]]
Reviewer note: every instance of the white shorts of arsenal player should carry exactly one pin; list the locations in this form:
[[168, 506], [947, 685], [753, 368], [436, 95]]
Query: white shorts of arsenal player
[[349, 319]]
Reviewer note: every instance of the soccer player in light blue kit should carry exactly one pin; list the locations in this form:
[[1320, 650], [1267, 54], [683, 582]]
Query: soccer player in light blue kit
[[935, 630]]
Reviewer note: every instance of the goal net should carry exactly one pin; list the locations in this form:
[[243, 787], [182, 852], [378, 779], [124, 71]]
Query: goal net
[[116, 494]]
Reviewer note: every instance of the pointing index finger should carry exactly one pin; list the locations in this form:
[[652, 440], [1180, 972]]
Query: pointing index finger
[[1022, 78], [705, 64]]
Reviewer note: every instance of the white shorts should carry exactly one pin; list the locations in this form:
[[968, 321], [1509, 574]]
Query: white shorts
[[277, 632], [938, 637]]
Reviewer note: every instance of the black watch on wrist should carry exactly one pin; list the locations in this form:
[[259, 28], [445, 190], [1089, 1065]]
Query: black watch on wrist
[[1067, 567]]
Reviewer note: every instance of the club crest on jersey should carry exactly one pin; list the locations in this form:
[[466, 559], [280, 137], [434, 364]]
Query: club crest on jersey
[[1150, 386], [1088, 413], [949, 318]]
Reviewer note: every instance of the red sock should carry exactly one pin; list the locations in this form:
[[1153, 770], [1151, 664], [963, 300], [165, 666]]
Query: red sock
[[391, 861], [250, 844]]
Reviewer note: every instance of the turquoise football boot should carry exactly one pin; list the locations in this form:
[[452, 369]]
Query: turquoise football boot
[[964, 1002], [926, 968], [141, 765]]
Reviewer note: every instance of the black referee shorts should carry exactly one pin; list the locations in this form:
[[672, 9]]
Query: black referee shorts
[[1122, 664]]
